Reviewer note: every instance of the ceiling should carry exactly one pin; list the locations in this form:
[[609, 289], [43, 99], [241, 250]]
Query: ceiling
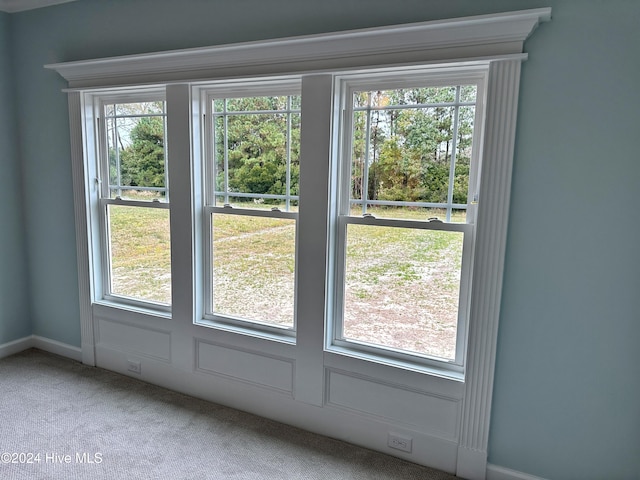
[[12, 6]]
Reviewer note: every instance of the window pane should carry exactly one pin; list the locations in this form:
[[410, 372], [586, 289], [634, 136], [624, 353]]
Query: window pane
[[468, 93], [402, 288], [358, 154], [463, 154], [402, 150], [257, 154], [254, 268], [140, 263], [136, 150], [405, 96]]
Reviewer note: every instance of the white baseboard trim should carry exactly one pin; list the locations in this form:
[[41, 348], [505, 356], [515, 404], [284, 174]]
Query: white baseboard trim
[[59, 348], [471, 464], [16, 346], [494, 472], [42, 343]]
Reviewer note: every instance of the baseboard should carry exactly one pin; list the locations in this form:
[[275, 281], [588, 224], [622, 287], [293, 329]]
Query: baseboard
[[471, 464], [42, 343], [495, 472], [16, 346], [59, 348]]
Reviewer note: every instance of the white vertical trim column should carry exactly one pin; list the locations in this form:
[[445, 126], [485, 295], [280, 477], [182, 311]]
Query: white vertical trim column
[[178, 151], [315, 159], [493, 213], [81, 185]]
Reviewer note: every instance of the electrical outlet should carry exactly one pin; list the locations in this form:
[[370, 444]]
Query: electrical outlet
[[134, 366], [400, 442]]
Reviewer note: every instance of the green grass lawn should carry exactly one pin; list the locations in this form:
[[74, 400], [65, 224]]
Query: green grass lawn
[[401, 288]]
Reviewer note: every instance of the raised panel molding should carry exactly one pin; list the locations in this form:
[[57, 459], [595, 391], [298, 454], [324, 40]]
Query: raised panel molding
[[244, 365], [147, 342], [433, 414]]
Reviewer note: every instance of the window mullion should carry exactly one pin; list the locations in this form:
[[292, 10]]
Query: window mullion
[[365, 170], [317, 118], [116, 148], [452, 166], [178, 104], [288, 174], [225, 139]]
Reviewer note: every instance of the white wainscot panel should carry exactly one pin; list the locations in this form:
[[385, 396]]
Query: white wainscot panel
[[244, 365], [143, 341], [430, 414]]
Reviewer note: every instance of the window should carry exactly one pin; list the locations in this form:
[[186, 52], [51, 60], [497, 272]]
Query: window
[[405, 223], [252, 182], [345, 198], [134, 199]]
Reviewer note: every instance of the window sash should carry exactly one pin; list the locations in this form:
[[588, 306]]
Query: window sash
[[347, 85], [222, 91], [105, 187], [107, 258], [376, 350], [208, 256], [152, 95]]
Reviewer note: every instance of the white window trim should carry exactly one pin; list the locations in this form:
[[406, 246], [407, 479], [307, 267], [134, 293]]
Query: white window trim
[[104, 194], [495, 39], [206, 93], [432, 77]]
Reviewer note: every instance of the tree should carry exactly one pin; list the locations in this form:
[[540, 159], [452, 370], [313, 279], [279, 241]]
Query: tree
[[142, 162], [411, 149], [257, 147]]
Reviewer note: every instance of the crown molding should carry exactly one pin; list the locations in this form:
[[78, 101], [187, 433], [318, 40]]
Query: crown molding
[[466, 37], [12, 6]]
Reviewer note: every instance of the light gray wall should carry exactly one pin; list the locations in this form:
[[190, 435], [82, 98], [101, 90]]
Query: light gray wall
[[567, 389], [14, 305], [568, 376]]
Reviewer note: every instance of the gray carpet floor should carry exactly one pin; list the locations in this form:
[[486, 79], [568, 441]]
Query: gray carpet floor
[[70, 421]]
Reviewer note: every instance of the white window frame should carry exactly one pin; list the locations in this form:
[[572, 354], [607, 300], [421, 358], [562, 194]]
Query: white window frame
[[98, 156], [207, 93], [386, 79]]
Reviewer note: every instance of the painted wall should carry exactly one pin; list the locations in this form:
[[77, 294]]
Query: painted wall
[[568, 376], [14, 305]]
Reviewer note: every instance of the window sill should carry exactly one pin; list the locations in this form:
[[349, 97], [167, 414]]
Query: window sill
[[286, 336], [112, 308], [443, 372]]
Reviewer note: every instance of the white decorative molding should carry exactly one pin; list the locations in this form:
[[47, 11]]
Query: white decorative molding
[[484, 35], [126, 337], [16, 346], [83, 252], [495, 472], [12, 6], [434, 415], [58, 348], [244, 365], [493, 216], [42, 343]]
